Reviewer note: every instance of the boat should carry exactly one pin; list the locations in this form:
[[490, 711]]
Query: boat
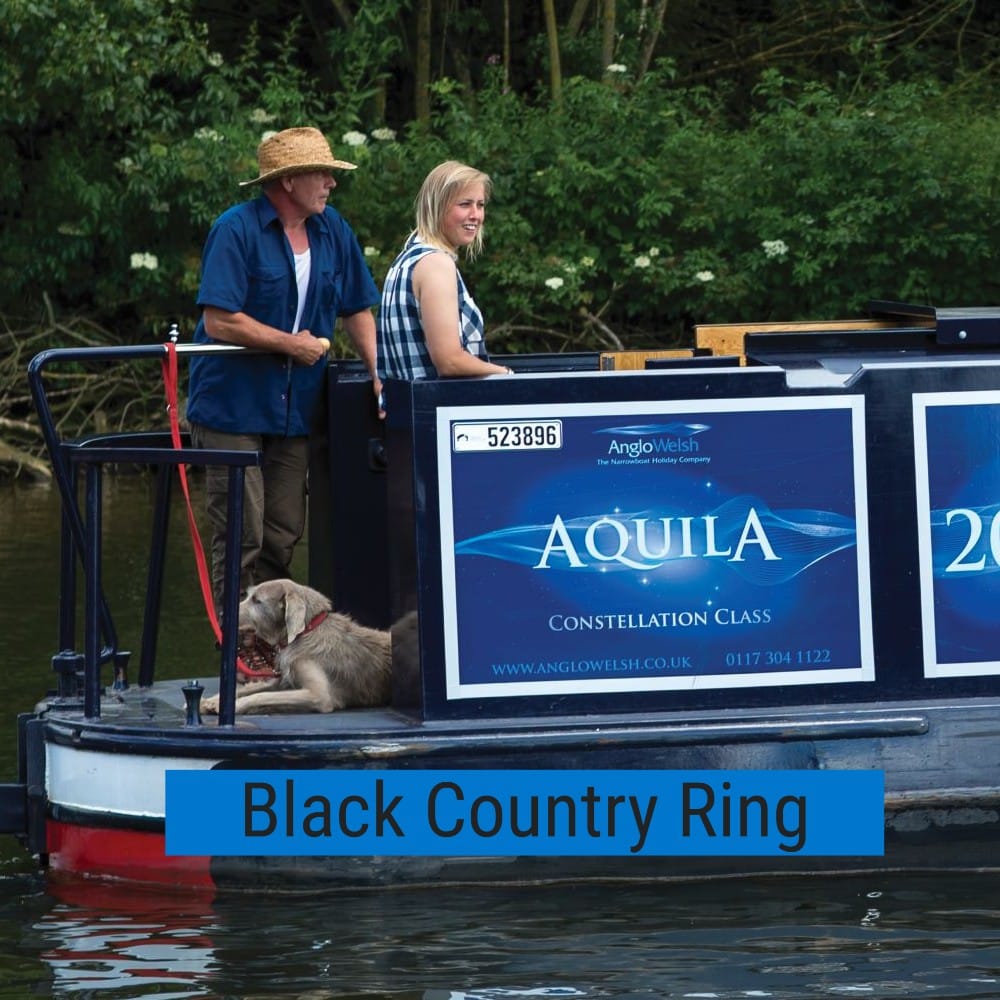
[[730, 580]]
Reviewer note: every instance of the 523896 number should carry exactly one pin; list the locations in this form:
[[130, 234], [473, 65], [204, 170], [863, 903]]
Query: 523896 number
[[507, 435]]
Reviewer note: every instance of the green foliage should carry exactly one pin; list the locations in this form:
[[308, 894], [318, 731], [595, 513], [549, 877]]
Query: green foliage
[[833, 201], [77, 89], [639, 207], [361, 56]]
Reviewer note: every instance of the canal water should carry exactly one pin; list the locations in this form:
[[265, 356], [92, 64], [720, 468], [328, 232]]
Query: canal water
[[901, 935]]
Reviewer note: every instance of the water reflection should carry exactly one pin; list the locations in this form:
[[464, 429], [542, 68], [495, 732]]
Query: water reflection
[[758, 938], [105, 937]]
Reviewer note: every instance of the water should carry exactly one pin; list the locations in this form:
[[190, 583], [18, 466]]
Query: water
[[843, 937], [933, 936]]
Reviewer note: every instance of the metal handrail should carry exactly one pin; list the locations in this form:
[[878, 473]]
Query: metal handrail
[[82, 530]]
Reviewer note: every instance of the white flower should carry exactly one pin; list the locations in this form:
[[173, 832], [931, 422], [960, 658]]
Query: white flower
[[642, 260], [267, 134], [371, 251], [553, 283], [384, 134], [147, 261], [354, 138], [616, 68], [587, 262], [705, 276], [260, 117], [774, 248], [208, 133], [215, 59], [127, 165], [653, 251]]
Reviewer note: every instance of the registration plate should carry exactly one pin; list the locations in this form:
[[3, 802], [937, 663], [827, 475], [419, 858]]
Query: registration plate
[[507, 435]]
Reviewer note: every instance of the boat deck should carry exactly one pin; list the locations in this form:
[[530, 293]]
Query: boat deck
[[915, 742]]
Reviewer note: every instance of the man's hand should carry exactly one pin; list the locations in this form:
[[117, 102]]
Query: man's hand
[[305, 349]]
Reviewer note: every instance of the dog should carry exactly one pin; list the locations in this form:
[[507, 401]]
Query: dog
[[325, 661]]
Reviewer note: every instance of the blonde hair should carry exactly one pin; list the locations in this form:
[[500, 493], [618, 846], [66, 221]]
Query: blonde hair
[[439, 191]]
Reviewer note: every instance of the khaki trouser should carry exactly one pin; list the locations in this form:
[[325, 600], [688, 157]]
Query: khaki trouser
[[274, 505]]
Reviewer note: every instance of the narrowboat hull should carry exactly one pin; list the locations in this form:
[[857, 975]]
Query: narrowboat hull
[[106, 810]]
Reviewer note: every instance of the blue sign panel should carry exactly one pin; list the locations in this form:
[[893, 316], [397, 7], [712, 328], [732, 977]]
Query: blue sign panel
[[520, 813], [957, 458], [680, 545]]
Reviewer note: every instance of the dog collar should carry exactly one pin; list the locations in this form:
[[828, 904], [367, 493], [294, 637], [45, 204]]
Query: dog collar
[[317, 620], [321, 617]]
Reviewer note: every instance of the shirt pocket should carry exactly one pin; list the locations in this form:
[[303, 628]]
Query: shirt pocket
[[267, 292], [329, 288]]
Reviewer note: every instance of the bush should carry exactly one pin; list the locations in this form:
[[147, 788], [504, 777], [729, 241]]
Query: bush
[[633, 212], [620, 218]]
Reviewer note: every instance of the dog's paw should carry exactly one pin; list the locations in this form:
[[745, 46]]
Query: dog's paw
[[210, 705]]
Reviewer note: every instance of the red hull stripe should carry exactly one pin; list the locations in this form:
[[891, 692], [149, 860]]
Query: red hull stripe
[[128, 854]]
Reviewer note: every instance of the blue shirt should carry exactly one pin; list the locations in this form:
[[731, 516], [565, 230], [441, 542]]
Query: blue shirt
[[402, 347], [247, 266]]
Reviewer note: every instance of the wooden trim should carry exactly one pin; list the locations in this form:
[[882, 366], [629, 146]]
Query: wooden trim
[[728, 338], [628, 361]]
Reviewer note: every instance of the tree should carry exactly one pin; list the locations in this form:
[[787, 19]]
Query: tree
[[80, 85], [653, 30], [555, 68], [422, 61]]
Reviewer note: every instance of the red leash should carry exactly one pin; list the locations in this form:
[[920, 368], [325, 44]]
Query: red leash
[[169, 366]]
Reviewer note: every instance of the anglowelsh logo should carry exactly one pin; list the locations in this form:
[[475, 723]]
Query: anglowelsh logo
[[653, 439]]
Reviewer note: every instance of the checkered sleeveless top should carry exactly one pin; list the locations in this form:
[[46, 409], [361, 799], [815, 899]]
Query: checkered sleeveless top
[[402, 350]]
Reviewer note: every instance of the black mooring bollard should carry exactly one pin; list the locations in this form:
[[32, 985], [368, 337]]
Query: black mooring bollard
[[192, 703]]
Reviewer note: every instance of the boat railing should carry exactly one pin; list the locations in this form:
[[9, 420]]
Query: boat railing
[[81, 534]]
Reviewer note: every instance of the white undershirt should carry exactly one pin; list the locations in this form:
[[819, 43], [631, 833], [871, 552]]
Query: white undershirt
[[302, 262]]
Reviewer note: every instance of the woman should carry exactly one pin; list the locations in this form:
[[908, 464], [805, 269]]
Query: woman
[[428, 324]]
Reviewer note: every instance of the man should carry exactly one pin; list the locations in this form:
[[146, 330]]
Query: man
[[276, 274]]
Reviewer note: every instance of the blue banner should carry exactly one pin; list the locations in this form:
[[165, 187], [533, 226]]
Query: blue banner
[[716, 544], [525, 813]]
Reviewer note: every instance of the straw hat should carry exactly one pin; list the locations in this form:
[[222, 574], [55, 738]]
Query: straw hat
[[294, 151]]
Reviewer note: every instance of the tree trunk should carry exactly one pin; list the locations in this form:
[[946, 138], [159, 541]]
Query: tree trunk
[[607, 33], [506, 44], [576, 16], [344, 12], [649, 46], [555, 69], [422, 64]]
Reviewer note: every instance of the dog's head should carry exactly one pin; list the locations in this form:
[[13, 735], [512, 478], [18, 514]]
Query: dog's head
[[279, 610]]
